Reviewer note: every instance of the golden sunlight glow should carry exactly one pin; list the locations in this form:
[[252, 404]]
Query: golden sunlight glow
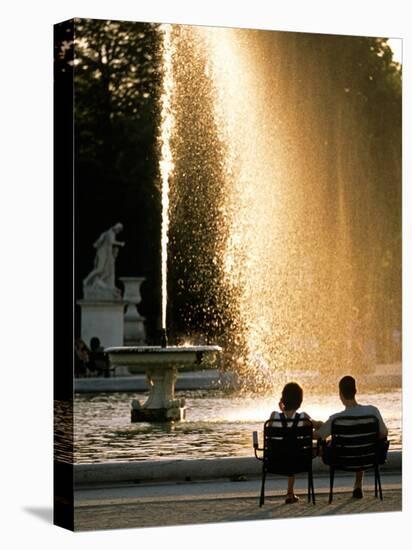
[[255, 172], [264, 194], [186, 344], [396, 47]]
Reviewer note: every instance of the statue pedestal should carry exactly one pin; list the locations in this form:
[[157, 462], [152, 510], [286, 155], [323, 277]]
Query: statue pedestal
[[104, 319]]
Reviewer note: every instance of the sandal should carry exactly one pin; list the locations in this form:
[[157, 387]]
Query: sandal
[[291, 498]]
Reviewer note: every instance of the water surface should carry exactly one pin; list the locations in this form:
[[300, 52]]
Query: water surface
[[216, 425]]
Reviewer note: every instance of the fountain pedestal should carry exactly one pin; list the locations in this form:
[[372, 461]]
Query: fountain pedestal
[[161, 366], [161, 404]]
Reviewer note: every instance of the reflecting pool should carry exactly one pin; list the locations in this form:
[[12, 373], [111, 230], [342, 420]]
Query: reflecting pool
[[216, 425]]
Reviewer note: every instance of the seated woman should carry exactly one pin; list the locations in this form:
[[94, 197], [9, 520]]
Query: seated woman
[[290, 401]]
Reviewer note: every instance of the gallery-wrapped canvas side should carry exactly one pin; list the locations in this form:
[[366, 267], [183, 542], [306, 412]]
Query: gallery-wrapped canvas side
[[63, 273]]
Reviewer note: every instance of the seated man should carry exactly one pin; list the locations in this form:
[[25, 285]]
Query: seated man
[[347, 392]]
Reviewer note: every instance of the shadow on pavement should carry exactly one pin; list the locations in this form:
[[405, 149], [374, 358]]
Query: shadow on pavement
[[45, 514]]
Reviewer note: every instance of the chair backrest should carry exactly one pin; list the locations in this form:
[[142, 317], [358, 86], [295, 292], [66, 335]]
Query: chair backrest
[[354, 442], [287, 445]]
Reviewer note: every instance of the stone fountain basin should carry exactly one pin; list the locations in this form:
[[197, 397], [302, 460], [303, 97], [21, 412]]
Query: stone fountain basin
[[138, 359], [161, 366]]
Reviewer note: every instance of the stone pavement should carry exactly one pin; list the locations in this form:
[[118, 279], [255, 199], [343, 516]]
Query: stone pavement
[[222, 501]]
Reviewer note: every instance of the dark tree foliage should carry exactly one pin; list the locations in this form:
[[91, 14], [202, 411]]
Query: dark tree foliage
[[116, 85]]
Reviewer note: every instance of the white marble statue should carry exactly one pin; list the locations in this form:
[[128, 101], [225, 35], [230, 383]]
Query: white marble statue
[[100, 282]]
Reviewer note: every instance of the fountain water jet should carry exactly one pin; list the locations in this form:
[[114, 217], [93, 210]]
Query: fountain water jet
[[166, 158], [161, 364], [272, 252]]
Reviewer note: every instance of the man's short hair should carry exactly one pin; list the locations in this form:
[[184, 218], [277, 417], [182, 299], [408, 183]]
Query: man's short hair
[[347, 387], [292, 396]]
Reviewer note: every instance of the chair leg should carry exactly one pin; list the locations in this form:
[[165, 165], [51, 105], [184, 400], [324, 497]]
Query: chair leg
[[332, 477], [262, 491], [312, 487], [309, 485], [376, 482], [379, 483]]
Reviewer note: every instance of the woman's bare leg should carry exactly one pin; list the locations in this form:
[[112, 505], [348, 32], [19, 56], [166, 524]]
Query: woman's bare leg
[[358, 480], [291, 485]]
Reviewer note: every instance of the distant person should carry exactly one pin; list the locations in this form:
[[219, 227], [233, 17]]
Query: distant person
[[347, 392], [81, 359], [95, 346], [290, 401], [98, 358]]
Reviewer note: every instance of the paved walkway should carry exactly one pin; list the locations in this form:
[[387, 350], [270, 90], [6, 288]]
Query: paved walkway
[[221, 501]]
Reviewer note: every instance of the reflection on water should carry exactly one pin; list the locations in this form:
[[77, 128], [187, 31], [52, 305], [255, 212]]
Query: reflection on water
[[217, 426], [63, 431]]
